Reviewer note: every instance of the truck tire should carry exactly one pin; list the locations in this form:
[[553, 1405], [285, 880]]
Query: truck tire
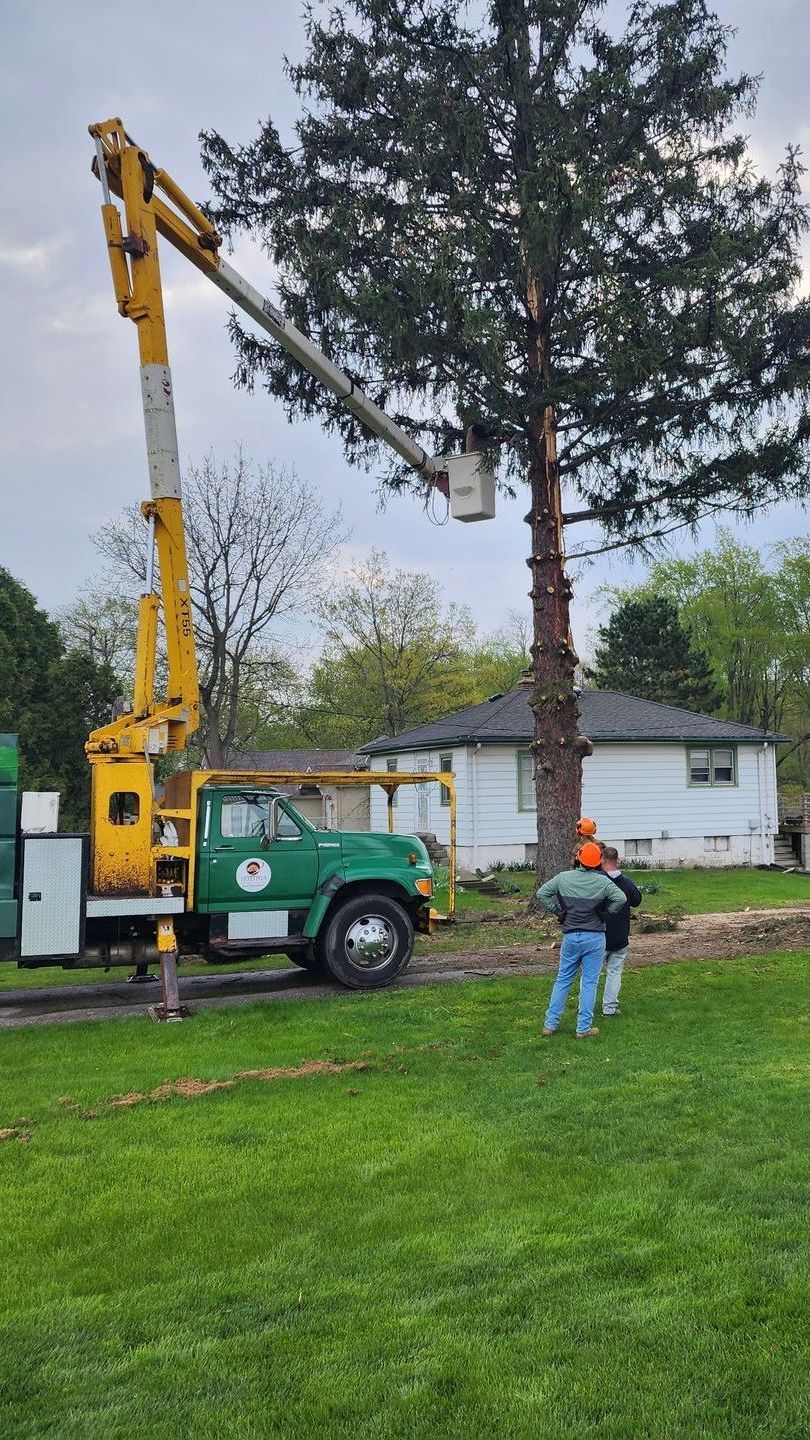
[[368, 942], [307, 960]]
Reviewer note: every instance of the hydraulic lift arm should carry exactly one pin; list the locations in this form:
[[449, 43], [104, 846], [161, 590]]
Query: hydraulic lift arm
[[126, 170], [127, 859], [182, 223], [151, 727]]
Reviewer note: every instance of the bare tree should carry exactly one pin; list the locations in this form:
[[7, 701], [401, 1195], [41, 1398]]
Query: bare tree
[[259, 546]]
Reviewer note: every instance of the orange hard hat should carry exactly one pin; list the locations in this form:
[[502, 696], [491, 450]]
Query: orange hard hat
[[586, 826], [590, 855]]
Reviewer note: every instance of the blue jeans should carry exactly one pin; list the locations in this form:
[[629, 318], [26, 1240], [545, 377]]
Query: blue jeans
[[614, 964], [584, 948]]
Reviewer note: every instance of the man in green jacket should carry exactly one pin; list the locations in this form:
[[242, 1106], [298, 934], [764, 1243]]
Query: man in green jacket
[[580, 898]]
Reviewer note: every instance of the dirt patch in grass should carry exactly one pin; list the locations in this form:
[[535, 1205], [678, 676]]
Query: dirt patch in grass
[[16, 1132], [309, 1067], [724, 936], [191, 1088], [697, 937]]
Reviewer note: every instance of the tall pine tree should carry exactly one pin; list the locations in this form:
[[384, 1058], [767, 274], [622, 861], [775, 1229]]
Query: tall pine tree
[[514, 215], [646, 651]]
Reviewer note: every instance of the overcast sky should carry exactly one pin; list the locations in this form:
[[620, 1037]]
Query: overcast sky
[[71, 437]]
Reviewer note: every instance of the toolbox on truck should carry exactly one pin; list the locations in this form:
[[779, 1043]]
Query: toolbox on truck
[[53, 895]]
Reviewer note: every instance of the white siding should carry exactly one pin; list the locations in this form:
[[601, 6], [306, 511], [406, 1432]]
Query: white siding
[[638, 791], [633, 791], [339, 807], [499, 820]]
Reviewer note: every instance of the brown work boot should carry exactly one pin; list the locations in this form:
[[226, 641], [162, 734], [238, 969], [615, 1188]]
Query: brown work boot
[[546, 1031], [584, 1034]]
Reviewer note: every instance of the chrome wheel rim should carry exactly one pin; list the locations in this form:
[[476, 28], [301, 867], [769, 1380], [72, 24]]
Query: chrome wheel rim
[[370, 942]]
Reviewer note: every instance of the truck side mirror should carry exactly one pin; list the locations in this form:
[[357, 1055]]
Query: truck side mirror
[[271, 832]]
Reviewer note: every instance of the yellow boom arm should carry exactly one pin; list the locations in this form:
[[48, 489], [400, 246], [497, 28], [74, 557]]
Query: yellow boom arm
[[125, 857], [151, 727]]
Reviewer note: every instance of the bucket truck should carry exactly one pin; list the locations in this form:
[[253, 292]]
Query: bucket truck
[[221, 863]]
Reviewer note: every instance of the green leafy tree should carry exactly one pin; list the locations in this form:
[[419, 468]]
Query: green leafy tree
[[791, 560], [271, 692], [513, 215], [30, 646], [393, 656], [102, 623], [497, 661], [52, 698], [83, 690], [750, 613], [646, 651]]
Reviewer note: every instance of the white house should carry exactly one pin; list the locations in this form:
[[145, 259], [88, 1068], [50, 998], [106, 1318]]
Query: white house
[[665, 784]]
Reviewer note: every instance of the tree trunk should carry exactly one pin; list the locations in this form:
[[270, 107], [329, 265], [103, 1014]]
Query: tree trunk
[[214, 750], [558, 748]]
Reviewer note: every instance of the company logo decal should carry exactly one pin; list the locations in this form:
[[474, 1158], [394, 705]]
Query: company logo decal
[[253, 875]]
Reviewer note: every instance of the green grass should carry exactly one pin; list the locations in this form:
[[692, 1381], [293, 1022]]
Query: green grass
[[696, 892], [484, 1234], [700, 892], [11, 978]]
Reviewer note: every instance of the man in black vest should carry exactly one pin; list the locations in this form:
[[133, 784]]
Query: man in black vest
[[617, 931]]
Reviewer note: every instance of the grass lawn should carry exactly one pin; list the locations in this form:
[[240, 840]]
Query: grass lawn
[[696, 892], [13, 979], [480, 1235]]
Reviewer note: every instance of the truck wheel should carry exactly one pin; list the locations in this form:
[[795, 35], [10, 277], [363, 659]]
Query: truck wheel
[[368, 942], [306, 960]]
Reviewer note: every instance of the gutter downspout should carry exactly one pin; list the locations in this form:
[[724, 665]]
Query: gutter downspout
[[474, 801], [762, 780]]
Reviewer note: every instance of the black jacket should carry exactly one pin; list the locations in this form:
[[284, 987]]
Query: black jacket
[[617, 926]]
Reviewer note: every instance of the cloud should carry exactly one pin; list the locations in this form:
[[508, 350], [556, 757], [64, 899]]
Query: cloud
[[72, 431], [25, 257]]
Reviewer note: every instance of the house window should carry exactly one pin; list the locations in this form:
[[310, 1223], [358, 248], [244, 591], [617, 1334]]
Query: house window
[[717, 842], [392, 766], [527, 795], [714, 765], [633, 849], [723, 768], [445, 763]]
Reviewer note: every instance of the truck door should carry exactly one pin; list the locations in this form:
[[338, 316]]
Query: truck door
[[239, 870]]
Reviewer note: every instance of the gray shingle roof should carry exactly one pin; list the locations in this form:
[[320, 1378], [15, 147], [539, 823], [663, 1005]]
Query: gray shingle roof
[[318, 761], [606, 715]]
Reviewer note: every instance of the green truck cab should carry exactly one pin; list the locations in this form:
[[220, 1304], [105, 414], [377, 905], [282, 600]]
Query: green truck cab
[[346, 902], [239, 874]]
